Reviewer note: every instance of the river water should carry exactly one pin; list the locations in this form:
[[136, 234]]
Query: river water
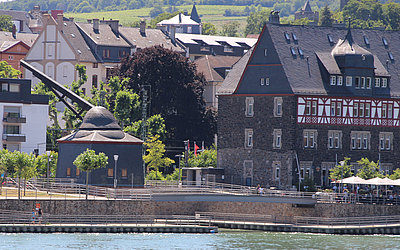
[[223, 240]]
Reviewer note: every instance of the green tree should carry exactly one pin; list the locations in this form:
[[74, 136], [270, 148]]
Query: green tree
[[6, 23], [341, 171], [127, 107], [391, 12], [6, 164], [209, 29], [255, 22], [155, 126], [395, 175], [6, 71], [368, 169], [204, 159], [155, 175], [174, 176], [326, 17], [155, 158], [24, 167], [230, 29], [42, 161], [89, 161]]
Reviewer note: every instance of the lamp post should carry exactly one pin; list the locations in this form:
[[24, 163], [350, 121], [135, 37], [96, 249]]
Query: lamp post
[[48, 166], [341, 172], [115, 170], [179, 166]]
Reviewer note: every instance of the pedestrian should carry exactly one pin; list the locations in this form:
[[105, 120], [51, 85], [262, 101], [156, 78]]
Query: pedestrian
[[40, 215], [33, 216], [258, 189]]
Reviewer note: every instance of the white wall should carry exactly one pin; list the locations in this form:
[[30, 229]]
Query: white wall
[[65, 73]]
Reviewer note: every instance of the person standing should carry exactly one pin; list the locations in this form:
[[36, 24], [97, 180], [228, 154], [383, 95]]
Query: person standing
[[40, 215], [33, 216]]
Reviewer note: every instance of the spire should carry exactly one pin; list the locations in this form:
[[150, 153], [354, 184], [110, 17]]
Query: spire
[[349, 37], [194, 15], [307, 7]]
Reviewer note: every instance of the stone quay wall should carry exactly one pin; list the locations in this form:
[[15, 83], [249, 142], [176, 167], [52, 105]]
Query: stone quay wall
[[130, 207]]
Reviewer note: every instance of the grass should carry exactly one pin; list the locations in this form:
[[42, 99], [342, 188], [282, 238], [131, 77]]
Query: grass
[[13, 192], [208, 13]]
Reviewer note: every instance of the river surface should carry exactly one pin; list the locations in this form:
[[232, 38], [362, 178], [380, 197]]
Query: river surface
[[222, 240]]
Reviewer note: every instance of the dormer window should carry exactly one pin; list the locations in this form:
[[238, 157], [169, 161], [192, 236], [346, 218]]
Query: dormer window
[[330, 38], [294, 37], [363, 82], [340, 80], [357, 82], [287, 37], [384, 82], [377, 82], [366, 40], [385, 42], [368, 82], [333, 80], [349, 80]]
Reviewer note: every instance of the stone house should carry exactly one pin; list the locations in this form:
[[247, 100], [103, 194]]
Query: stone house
[[305, 97]]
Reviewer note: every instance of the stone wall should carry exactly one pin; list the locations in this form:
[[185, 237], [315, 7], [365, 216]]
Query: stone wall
[[127, 207]]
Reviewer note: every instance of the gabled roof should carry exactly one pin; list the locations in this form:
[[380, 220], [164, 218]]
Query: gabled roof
[[105, 36], [208, 65], [179, 19], [20, 16], [152, 37], [291, 72], [77, 42], [194, 15], [27, 38], [214, 40], [6, 45], [307, 7]]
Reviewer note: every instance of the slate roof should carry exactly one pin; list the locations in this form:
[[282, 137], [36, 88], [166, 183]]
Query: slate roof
[[27, 38], [307, 6], [105, 37], [302, 74], [208, 65], [214, 40], [152, 37], [19, 15], [178, 20], [77, 41], [194, 15]]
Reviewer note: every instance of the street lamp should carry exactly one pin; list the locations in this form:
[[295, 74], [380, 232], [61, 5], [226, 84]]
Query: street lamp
[[48, 166], [115, 170], [341, 172]]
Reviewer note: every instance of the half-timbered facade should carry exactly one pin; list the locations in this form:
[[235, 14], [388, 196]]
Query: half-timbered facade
[[305, 97]]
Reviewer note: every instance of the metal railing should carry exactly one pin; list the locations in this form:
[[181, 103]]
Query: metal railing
[[214, 217]]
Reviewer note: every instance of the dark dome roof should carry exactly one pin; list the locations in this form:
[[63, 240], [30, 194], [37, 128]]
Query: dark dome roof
[[99, 118]]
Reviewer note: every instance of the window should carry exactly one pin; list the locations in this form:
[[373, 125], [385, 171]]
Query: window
[[78, 172], [333, 108], [357, 82], [385, 141], [384, 82], [10, 57], [349, 80], [267, 81], [189, 30], [390, 56], [248, 138], [278, 106], [228, 48], [384, 110], [333, 80], [390, 111], [14, 88], [106, 53], [276, 168], [265, 52], [4, 87], [334, 139], [360, 140], [68, 172], [287, 37], [277, 138], [377, 82], [338, 108], [124, 173], [366, 40], [308, 108], [11, 147], [110, 172], [367, 109], [95, 65], [310, 138], [355, 110], [249, 106], [65, 71], [330, 40], [301, 53], [363, 82], [294, 37], [385, 42], [293, 51], [94, 81], [50, 50], [11, 129], [314, 108], [262, 81], [368, 82], [340, 80], [361, 113]]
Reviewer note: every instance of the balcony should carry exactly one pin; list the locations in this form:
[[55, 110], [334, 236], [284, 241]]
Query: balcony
[[11, 119], [14, 137]]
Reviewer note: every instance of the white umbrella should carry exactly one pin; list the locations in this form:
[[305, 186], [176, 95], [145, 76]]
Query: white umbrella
[[352, 180], [380, 182]]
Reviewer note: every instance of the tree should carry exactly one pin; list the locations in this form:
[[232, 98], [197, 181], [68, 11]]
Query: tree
[[89, 161], [155, 175], [256, 22], [204, 159], [6, 71], [42, 161], [127, 107], [341, 171], [326, 17], [155, 126], [230, 29], [155, 154], [174, 176], [6, 23], [24, 167], [176, 92], [368, 169], [391, 12], [6, 164], [209, 29], [395, 175]]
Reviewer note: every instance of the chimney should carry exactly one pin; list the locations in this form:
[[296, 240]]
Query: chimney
[[114, 25], [180, 17], [71, 19], [89, 20], [172, 33], [54, 13], [60, 21], [143, 27], [96, 24], [274, 17], [14, 31]]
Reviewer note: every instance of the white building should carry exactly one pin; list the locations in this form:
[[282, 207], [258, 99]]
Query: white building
[[25, 116]]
